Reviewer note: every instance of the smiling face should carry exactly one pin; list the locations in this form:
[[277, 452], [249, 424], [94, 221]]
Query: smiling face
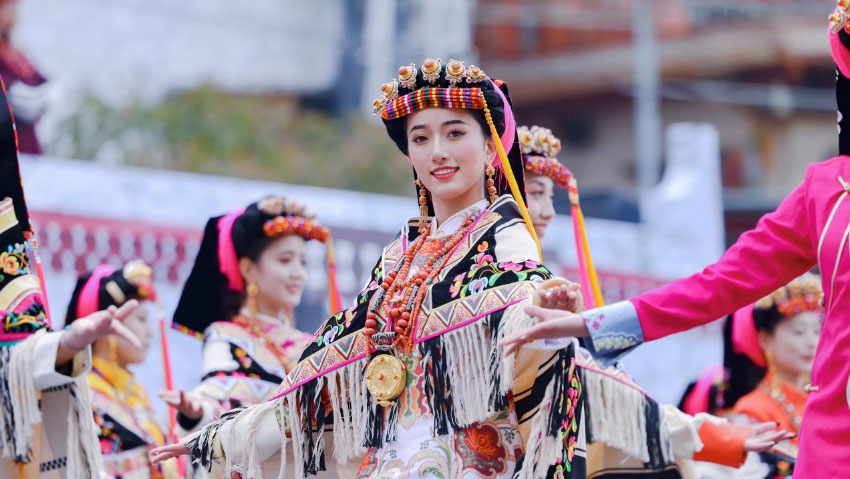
[[793, 343], [448, 150], [280, 274], [540, 191]]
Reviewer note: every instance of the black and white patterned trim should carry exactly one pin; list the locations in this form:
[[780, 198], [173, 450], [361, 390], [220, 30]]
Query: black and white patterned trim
[[59, 463]]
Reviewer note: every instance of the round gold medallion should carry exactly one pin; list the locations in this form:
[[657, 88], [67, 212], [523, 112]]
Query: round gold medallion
[[385, 378]]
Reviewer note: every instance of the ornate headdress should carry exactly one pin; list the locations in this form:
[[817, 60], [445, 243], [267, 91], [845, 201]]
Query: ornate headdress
[[105, 286], [229, 237], [839, 19], [539, 148], [800, 295], [457, 86]]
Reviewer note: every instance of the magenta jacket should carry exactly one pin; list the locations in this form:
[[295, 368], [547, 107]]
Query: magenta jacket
[[810, 227]]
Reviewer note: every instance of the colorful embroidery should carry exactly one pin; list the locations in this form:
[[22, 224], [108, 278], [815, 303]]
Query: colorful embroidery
[[31, 319], [480, 448], [569, 428], [485, 274], [13, 261]]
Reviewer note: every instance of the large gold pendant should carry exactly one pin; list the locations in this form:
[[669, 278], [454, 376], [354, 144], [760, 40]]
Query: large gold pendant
[[385, 378]]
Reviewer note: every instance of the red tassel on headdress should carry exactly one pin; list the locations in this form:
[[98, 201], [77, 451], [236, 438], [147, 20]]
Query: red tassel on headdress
[[333, 290]]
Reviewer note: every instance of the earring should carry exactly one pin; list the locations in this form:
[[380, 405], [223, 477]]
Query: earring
[[252, 292], [774, 377], [423, 206], [491, 184]]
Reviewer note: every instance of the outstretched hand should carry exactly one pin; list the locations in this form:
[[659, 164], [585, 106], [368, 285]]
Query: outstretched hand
[[554, 323], [86, 330], [170, 451], [566, 296], [765, 437], [185, 404]]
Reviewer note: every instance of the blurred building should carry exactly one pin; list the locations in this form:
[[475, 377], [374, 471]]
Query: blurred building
[[759, 71]]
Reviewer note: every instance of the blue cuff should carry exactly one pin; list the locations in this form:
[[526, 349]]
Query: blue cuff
[[614, 331]]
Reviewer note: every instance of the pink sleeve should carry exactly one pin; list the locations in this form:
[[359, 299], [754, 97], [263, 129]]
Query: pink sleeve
[[780, 248]]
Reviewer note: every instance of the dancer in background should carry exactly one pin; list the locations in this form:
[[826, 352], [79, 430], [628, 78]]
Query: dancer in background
[[248, 278], [127, 425]]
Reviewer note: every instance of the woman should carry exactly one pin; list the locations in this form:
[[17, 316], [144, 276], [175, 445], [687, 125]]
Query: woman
[[543, 173], [127, 424], [768, 352], [777, 339], [808, 228], [248, 278], [408, 381]]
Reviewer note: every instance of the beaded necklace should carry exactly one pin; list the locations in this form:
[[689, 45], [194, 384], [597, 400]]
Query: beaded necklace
[[399, 299], [257, 331], [788, 407]]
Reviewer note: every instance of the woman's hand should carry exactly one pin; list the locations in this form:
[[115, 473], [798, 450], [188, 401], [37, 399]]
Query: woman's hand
[[188, 406], [170, 451], [566, 297], [766, 438], [553, 324], [85, 331]]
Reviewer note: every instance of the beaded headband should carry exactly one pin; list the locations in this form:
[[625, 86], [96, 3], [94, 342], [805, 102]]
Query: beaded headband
[[297, 225], [392, 106], [290, 217], [539, 148]]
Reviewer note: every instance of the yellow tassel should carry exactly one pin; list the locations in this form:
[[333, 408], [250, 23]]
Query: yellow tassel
[[591, 270], [509, 174]]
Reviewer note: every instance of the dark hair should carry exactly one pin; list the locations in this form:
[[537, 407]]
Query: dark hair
[[250, 242], [766, 319], [206, 296]]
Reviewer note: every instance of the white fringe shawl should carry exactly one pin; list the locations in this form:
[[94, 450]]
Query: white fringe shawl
[[618, 416], [84, 460], [474, 361]]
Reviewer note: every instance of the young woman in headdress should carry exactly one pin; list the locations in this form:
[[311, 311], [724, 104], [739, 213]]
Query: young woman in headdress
[[774, 344], [126, 422], [808, 228], [768, 352], [410, 381], [248, 278]]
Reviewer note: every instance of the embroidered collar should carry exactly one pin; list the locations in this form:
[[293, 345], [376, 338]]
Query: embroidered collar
[[454, 221]]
